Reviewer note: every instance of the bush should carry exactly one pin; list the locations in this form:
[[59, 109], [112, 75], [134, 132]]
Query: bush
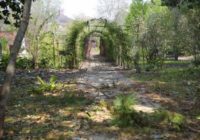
[[125, 115], [21, 63], [4, 62], [24, 63], [43, 63], [44, 86], [123, 110], [196, 62]]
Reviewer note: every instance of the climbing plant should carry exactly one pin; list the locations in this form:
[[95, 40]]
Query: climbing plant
[[112, 36], [72, 36]]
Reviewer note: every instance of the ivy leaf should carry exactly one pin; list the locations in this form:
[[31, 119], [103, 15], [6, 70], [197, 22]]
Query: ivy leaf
[[5, 12], [6, 21], [3, 4]]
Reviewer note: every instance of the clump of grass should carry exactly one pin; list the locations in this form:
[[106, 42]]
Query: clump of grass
[[126, 116], [170, 120], [123, 110], [44, 86]]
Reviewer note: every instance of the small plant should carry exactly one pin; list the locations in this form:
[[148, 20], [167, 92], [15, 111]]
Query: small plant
[[123, 110], [176, 120], [24, 63], [45, 86], [171, 120], [4, 62]]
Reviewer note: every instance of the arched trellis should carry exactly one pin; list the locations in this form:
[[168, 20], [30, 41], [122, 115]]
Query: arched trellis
[[115, 42]]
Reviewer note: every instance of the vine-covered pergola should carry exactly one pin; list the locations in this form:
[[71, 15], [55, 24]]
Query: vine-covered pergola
[[114, 44]]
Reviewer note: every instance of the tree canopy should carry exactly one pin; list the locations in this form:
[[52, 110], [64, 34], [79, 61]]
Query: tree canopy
[[175, 3], [11, 12]]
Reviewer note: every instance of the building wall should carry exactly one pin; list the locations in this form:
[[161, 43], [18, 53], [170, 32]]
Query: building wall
[[10, 37]]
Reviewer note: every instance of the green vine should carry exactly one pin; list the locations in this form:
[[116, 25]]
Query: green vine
[[112, 36]]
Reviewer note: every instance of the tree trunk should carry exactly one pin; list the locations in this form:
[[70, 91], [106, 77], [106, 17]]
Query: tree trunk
[[1, 49], [176, 56], [176, 53], [10, 71]]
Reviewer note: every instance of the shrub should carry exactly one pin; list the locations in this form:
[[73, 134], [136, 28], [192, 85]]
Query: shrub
[[196, 62], [24, 63], [44, 63], [171, 120], [4, 62], [176, 120], [44, 86], [123, 110], [125, 115]]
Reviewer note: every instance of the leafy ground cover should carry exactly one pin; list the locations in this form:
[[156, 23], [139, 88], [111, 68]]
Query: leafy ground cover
[[62, 111]]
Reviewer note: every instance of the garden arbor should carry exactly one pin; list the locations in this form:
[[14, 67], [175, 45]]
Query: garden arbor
[[112, 41]]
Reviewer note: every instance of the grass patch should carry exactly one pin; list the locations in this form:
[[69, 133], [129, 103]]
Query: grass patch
[[43, 86], [126, 116], [43, 116], [176, 81]]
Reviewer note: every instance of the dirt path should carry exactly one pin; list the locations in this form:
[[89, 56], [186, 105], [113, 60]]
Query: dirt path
[[102, 80], [99, 80]]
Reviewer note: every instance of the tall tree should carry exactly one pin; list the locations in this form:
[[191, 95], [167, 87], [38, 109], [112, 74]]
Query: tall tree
[[44, 12], [178, 3], [10, 71], [176, 15], [0, 52], [135, 23], [113, 10]]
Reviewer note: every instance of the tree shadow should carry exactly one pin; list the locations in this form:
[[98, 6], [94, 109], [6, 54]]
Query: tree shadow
[[32, 116]]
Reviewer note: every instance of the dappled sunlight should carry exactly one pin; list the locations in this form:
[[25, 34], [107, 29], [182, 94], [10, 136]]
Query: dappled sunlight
[[145, 109], [162, 99], [131, 72], [101, 115]]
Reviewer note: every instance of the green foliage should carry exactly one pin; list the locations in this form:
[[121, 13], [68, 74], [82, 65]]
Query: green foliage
[[24, 63], [21, 63], [44, 86], [123, 110], [4, 62], [14, 7], [154, 40], [112, 36], [123, 103], [158, 32], [138, 10], [176, 120], [73, 34], [51, 111], [136, 60], [125, 115], [178, 3], [168, 119], [196, 62], [4, 43]]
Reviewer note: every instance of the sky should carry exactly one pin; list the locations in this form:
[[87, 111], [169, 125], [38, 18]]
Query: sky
[[75, 8]]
